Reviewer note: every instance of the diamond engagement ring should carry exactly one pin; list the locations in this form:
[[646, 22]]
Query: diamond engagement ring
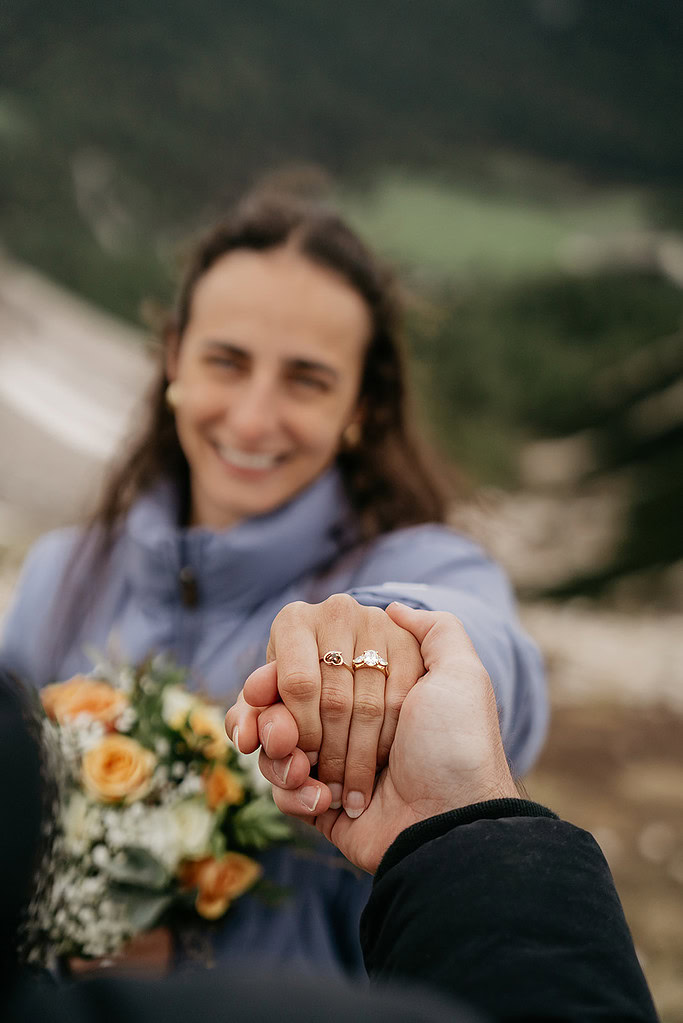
[[336, 659], [371, 659]]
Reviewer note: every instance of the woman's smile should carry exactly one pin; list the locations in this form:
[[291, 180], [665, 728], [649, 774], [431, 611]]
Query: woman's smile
[[249, 461]]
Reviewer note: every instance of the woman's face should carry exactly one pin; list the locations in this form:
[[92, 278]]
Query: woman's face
[[268, 373]]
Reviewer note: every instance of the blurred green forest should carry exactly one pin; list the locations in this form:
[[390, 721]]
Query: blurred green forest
[[520, 161], [124, 126]]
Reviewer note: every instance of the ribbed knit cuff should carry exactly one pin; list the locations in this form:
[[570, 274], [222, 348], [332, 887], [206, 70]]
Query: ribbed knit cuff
[[434, 827]]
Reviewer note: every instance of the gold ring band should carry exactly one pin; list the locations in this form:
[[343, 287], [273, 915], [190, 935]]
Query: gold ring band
[[335, 658], [372, 659]]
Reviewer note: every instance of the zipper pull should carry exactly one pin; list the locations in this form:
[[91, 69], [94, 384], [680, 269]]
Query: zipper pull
[[189, 590]]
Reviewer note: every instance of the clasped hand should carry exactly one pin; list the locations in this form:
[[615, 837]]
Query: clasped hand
[[344, 719], [431, 731]]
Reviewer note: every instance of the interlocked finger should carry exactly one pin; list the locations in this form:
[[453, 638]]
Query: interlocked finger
[[366, 726], [336, 706], [406, 667], [288, 772], [294, 645], [306, 802]]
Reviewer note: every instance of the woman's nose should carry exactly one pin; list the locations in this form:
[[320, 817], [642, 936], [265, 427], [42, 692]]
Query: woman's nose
[[254, 412]]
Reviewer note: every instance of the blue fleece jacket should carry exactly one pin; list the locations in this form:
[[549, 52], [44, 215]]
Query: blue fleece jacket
[[304, 550]]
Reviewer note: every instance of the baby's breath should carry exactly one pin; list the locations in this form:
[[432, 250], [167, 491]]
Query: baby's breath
[[101, 849]]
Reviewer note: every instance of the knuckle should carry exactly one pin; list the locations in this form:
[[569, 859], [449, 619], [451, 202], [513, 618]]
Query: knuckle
[[450, 629], [332, 767], [298, 685], [368, 708], [377, 618], [295, 611], [376, 621], [335, 703], [339, 606]]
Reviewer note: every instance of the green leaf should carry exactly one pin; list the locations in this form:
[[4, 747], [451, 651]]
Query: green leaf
[[136, 866], [142, 910], [260, 823], [218, 844]]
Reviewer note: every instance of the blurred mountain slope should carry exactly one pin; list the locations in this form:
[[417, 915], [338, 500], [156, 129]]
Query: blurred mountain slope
[[70, 380]]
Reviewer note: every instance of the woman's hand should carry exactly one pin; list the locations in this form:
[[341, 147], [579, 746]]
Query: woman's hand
[[447, 751], [345, 717]]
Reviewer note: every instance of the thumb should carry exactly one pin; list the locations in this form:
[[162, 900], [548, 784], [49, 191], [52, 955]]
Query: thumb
[[260, 689], [418, 623], [444, 643]]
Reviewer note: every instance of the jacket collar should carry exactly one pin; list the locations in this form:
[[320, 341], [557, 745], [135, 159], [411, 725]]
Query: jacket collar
[[241, 566]]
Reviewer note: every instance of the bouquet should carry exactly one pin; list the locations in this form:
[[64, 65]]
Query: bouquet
[[154, 809]]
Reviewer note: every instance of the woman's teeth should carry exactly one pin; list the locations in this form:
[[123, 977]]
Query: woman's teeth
[[247, 459]]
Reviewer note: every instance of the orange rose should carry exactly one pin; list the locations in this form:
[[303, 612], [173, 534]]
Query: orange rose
[[207, 731], [222, 787], [64, 701], [218, 881], [118, 768]]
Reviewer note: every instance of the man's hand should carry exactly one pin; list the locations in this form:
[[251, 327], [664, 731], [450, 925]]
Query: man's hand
[[447, 751]]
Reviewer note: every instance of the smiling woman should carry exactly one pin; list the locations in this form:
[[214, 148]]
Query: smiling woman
[[273, 505], [265, 380]]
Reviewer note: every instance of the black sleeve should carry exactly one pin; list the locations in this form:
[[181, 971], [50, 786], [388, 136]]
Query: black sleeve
[[509, 909], [20, 798]]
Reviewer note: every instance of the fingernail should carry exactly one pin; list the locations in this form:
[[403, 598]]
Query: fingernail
[[265, 735], [281, 768], [235, 737], [354, 804], [310, 796], [312, 759], [336, 790]]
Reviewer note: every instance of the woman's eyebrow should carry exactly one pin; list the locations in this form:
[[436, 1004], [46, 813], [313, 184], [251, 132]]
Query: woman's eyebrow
[[228, 348], [310, 366], [235, 351]]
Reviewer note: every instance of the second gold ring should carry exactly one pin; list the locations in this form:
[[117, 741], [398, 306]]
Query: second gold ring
[[372, 659]]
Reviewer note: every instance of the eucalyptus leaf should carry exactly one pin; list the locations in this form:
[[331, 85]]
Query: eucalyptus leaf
[[218, 844], [260, 823], [136, 866], [142, 910]]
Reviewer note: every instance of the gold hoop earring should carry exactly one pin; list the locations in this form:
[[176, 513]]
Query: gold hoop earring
[[351, 436], [172, 395]]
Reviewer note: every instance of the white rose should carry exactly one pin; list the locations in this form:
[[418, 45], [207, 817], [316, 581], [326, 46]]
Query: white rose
[[176, 704], [160, 833], [195, 824], [74, 820], [82, 823]]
